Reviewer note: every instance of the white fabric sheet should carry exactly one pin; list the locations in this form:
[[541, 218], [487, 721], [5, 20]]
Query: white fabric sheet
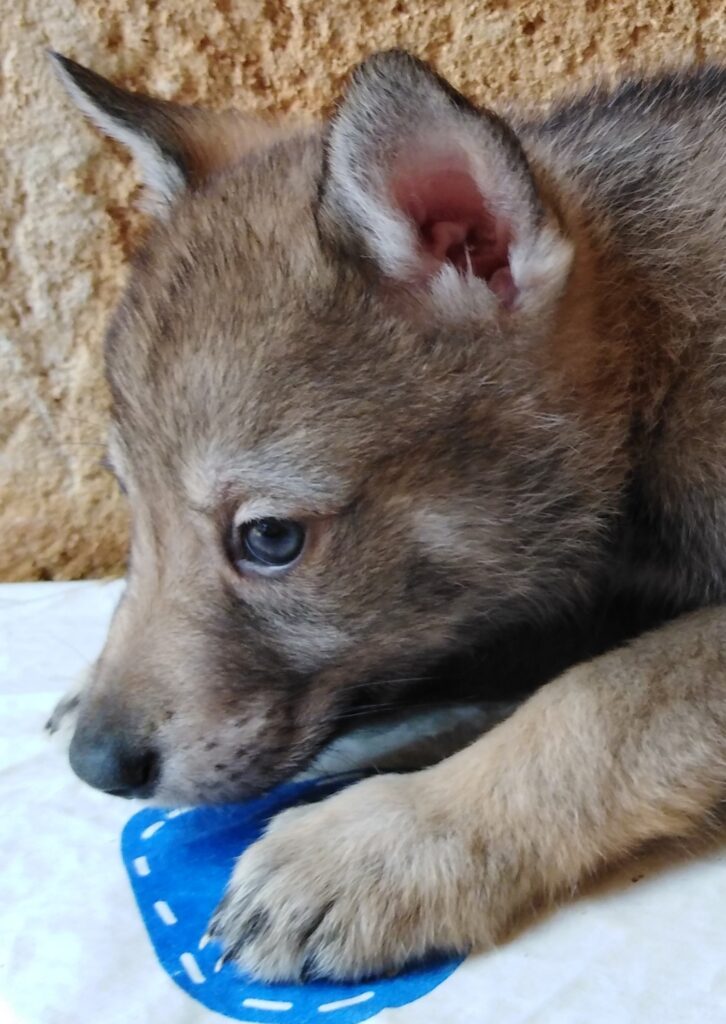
[[73, 949]]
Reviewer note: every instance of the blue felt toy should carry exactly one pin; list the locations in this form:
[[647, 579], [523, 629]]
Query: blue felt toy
[[179, 863]]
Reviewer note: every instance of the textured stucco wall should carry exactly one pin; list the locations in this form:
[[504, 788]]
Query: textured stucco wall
[[67, 220]]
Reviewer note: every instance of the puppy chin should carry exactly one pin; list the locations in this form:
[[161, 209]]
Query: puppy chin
[[175, 791]]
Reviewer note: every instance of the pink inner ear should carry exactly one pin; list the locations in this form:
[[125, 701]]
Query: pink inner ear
[[455, 225]]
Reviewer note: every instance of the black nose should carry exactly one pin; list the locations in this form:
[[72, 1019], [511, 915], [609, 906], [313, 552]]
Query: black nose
[[108, 761]]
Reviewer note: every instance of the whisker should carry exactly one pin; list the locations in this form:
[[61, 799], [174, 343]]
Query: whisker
[[410, 708], [373, 683], [367, 710]]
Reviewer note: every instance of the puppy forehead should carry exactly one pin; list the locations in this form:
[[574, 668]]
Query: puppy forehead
[[235, 283], [244, 355], [275, 478]]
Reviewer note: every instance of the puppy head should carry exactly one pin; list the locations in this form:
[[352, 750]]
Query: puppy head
[[341, 417]]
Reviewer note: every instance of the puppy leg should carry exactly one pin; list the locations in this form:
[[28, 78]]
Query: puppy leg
[[620, 750]]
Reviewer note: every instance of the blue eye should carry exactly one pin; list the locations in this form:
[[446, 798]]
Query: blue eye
[[270, 543]]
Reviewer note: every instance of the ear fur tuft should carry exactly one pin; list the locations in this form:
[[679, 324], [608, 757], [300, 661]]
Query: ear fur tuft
[[422, 181], [176, 147]]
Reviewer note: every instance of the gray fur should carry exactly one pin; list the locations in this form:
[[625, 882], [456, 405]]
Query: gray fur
[[477, 453]]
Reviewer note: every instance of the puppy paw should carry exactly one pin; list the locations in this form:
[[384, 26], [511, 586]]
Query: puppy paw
[[353, 887]]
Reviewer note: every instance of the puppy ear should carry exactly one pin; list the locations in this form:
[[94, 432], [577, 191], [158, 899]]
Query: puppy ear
[[176, 147], [437, 192]]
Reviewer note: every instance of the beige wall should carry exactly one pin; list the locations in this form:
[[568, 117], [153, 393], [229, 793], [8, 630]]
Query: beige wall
[[67, 219]]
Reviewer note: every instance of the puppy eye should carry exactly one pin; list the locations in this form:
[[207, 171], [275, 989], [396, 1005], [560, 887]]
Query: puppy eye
[[267, 543]]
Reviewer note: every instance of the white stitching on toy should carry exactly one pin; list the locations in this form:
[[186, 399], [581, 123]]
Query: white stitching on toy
[[339, 1004], [152, 829], [265, 1004], [191, 966], [165, 912], [141, 867]]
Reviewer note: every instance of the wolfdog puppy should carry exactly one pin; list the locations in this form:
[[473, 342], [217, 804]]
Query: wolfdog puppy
[[384, 392]]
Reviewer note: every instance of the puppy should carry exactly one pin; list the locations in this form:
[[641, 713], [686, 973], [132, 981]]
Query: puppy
[[385, 392]]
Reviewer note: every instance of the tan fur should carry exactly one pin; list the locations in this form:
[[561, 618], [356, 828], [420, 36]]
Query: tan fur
[[518, 465], [620, 751]]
